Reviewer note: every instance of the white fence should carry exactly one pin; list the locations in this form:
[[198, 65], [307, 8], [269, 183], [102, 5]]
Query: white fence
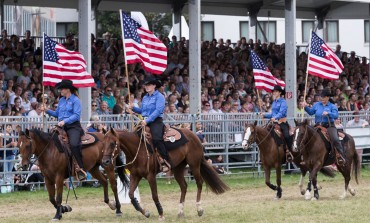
[[223, 133]]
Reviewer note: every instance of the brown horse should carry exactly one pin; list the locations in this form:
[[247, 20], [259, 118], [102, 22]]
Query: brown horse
[[143, 164], [315, 155], [54, 166], [272, 156]]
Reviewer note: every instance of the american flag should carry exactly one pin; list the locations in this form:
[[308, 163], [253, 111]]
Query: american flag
[[322, 61], [142, 46], [262, 75], [60, 63]]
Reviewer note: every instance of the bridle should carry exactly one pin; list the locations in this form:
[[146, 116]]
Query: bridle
[[30, 146], [255, 137], [305, 136]]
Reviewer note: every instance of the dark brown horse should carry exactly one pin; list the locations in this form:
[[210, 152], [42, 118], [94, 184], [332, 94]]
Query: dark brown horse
[[143, 164], [273, 156], [54, 166], [307, 139]]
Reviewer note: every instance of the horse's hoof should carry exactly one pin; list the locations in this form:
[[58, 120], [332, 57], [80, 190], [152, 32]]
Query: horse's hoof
[[161, 218], [68, 208], [352, 192], [319, 187], [182, 215], [147, 213], [307, 195], [119, 214], [112, 205], [54, 219], [342, 197], [200, 212], [314, 199], [303, 192]]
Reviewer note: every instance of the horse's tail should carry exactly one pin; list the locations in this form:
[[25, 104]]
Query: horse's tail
[[327, 171], [212, 178], [122, 173], [356, 164]]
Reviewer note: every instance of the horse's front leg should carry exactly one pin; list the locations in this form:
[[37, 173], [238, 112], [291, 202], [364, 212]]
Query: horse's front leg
[[113, 185], [153, 187], [313, 179], [267, 178], [59, 183], [134, 181], [278, 182], [301, 181], [50, 186]]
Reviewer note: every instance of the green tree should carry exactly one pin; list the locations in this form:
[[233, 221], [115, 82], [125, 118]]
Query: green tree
[[158, 23], [108, 22]]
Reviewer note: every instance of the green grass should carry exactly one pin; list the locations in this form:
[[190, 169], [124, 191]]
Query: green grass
[[249, 200]]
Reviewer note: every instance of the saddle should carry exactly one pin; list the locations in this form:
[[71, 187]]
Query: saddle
[[86, 139], [170, 134], [324, 131]]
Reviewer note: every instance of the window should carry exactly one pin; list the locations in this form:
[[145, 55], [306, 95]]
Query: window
[[367, 34], [208, 31], [244, 29], [307, 26], [332, 32], [269, 29]]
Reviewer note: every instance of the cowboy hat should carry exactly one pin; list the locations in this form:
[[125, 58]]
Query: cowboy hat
[[152, 80], [66, 84], [326, 93], [279, 88]]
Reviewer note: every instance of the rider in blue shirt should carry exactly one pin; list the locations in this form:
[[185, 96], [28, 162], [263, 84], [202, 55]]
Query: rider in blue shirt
[[68, 113], [279, 113], [152, 108], [325, 114]]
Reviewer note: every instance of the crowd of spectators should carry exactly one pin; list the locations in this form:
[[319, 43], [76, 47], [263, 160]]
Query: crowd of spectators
[[227, 84]]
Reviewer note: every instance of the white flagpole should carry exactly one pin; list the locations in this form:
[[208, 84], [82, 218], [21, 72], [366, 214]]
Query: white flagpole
[[43, 76], [126, 69]]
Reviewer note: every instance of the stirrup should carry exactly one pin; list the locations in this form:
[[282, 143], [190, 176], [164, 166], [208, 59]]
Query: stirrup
[[341, 161], [81, 174], [289, 156], [165, 168]]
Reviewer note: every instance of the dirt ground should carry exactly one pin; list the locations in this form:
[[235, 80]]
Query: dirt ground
[[245, 202]]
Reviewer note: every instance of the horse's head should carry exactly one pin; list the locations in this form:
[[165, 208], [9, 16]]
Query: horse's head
[[249, 135], [110, 148], [299, 133], [25, 147]]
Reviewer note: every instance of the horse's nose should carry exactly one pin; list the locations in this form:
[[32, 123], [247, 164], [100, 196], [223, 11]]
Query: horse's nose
[[244, 144]]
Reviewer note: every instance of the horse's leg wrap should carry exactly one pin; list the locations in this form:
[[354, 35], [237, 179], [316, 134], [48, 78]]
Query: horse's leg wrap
[[309, 186], [159, 208], [136, 204]]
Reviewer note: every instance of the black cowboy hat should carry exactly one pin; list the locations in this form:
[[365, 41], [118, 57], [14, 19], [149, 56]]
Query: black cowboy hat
[[66, 84], [279, 88], [325, 93], [152, 80]]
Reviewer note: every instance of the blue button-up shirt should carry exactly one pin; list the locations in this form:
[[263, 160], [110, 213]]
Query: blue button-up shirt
[[69, 110], [152, 106], [318, 108], [279, 109]]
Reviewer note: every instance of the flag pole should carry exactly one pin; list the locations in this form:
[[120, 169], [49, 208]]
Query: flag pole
[[305, 85], [259, 104], [43, 86], [126, 69]]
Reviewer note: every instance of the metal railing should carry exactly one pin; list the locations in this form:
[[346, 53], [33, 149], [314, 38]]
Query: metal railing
[[223, 133]]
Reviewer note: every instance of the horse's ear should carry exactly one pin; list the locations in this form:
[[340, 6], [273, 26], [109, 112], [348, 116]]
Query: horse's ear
[[113, 131], [27, 133], [104, 131], [255, 123]]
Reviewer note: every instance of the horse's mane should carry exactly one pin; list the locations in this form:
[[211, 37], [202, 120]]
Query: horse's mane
[[49, 137]]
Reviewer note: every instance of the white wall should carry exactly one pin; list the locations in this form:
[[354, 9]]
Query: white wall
[[351, 32], [66, 15]]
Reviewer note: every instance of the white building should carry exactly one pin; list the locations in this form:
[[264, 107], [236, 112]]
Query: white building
[[352, 35]]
